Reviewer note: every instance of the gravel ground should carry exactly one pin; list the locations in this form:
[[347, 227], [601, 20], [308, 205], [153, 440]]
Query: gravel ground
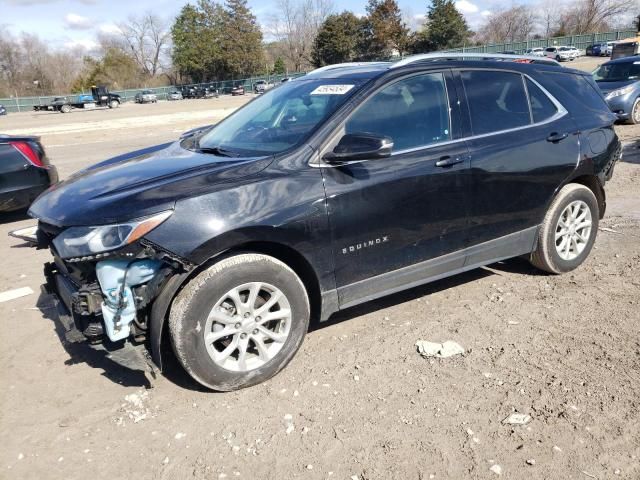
[[358, 401]]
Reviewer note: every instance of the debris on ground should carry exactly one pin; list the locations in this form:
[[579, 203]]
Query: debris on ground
[[15, 293], [517, 419], [288, 422], [497, 469], [609, 230], [439, 350], [135, 407]]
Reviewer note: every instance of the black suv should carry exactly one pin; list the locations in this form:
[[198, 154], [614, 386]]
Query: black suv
[[350, 183]]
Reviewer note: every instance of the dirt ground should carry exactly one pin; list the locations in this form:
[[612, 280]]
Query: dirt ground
[[362, 402]]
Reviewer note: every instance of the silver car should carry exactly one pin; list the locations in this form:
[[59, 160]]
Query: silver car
[[174, 95], [146, 96]]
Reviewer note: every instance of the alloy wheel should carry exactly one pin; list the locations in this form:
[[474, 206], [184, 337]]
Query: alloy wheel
[[247, 327], [573, 230]]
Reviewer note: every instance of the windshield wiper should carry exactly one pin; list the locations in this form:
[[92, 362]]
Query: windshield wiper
[[220, 152]]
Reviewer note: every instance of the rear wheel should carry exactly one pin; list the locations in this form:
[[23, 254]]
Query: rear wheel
[[568, 231], [239, 322], [114, 104], [65, 108]]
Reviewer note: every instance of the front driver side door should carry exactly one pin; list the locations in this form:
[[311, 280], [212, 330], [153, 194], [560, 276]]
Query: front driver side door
[[395, 220]]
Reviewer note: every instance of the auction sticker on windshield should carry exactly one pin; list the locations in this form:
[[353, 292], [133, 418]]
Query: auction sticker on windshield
[[332, 89]]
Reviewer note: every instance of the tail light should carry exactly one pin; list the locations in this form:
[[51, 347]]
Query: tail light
[[29, 153]]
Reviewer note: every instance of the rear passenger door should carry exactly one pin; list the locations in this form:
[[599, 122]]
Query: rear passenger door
[[523, 144]]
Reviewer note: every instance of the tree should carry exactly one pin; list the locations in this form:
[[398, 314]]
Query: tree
[[337, 40], [444, 28], [296, 26], [116, 68], [243, 53], [279, 67], [588, 16], [384, 33], [146, 39], [512, 25]]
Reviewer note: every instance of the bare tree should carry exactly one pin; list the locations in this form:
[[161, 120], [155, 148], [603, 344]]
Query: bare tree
[[515, 24], [296, 27], [588, 16], [548, 13], [146, 38]]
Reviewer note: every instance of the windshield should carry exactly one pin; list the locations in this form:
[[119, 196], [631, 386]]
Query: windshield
[[282, 118], [618, 72]]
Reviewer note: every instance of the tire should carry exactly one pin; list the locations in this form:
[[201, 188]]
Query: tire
[[205, 307], [634, 118], [547, 254], [558, 58], [65, 109], [114, 104]]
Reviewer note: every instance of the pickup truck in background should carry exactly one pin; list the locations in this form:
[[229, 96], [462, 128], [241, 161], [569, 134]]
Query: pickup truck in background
[[99, 97]]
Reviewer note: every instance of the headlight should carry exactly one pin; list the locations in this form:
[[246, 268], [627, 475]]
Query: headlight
[[619, 92], [87, 241]]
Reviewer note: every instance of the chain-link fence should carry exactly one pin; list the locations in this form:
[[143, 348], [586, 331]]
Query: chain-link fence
[[581, 42], [22, 104]]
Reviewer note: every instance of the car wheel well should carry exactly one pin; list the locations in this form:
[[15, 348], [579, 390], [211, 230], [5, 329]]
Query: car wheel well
[[593, 184], [294, 260]]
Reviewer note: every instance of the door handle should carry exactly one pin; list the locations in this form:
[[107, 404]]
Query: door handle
[[447, 161], [557, 137]]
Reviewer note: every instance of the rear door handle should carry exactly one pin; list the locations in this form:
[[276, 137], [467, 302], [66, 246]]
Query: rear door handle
[[447, 161], [557, 137]]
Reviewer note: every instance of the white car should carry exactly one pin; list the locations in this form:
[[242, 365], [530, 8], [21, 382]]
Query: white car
[[536, 52], [561, 54], [575, 51]]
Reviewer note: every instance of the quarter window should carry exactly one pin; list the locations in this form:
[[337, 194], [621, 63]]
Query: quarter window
[[497, 100], [542, 108], [414, 112]]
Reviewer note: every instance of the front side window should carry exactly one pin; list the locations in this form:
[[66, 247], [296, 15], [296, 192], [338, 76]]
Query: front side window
[[414, 112], [497, 100]]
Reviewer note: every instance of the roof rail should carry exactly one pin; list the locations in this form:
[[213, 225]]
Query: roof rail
[[341, 65], [501, 57]]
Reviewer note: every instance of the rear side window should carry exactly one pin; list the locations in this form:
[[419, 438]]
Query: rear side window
[[542, 108], [414, 112], [578, 93], [497, 100]]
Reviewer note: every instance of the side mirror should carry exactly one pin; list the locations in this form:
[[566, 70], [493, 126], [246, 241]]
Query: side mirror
[[360, 146]]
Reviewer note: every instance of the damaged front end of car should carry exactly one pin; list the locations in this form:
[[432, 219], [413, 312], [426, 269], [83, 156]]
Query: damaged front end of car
[[107, 276]]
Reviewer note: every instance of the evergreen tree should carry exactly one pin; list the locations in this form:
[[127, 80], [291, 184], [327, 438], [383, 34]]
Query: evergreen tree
[[445, 28], [384, 32], [279, 68], [243, 53], [337, 40]]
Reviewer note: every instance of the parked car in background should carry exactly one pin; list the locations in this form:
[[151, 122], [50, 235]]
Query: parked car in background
[[619, 81], [560, 54], [261, 86], [3, 111], [600, 49], [575, 51], [536, 52], [146, 96], [346, 185], [286, 79], [237, 90], [174, 95], [25, 172], [509, 52]]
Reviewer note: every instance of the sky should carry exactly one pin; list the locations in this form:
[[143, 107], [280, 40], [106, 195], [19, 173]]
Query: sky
[[72, 23]]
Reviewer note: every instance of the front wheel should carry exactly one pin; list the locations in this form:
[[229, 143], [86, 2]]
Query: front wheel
[[239, 322], [568, 230], [114, 104], [634, 118]]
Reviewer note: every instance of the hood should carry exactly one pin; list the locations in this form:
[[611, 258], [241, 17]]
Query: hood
[[607, 87], [139, 184]]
